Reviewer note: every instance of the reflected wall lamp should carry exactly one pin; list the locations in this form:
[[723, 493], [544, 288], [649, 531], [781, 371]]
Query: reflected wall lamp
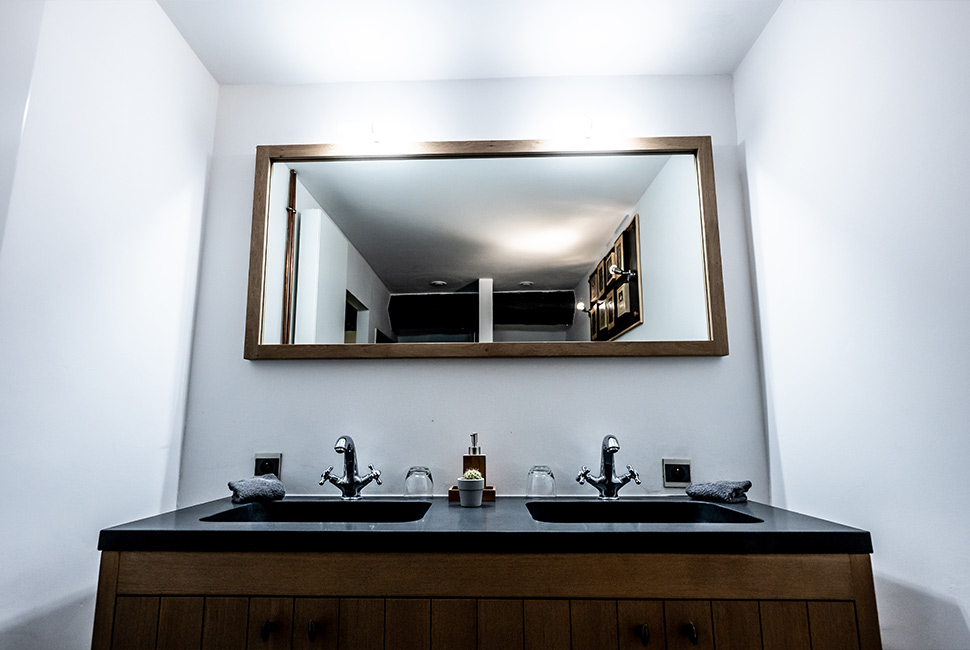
[[615, 270]]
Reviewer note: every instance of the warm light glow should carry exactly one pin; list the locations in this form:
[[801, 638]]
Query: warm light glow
[[387, 133], [570, 126]]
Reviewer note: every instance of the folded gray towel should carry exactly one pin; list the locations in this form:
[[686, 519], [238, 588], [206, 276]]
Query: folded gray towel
[[258, 488], [723, 491]]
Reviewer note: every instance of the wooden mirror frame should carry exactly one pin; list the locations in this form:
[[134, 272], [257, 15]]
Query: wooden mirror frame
[[699, 147]]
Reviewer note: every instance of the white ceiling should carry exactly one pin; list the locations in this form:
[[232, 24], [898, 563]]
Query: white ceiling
[[321, 41]]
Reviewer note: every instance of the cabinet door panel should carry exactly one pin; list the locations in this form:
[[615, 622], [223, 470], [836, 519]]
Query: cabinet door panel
[[136, 622], [322, 614], [500, 625], [180, 623], [632, 616], [407, 623], [688, 624], [362, 623], [833, 626], [270, 623], [737, 624], [593, 623], [454, 623], [545, 624], [784, 625], [224, 623]]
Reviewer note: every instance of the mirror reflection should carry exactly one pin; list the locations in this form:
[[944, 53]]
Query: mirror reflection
[[482, 247]]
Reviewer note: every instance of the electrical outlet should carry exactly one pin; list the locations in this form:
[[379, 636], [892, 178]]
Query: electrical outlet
[[676, 472], [268, 464]]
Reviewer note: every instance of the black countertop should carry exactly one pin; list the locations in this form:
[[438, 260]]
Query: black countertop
[[504, 526]]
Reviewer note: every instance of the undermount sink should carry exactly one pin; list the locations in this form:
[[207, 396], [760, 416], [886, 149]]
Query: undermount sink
[[636, 512], [324, 511]]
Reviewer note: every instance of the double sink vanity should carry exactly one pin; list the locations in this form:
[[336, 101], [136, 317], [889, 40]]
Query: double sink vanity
[[566, 572]]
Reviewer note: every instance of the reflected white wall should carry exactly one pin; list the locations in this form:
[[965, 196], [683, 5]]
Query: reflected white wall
[[364, 284], [327, 266], [275, 254], [307, 278], [674, 294], [331, 282]]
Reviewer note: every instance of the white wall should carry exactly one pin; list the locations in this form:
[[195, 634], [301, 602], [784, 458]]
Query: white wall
[[405, 412], [853, 119], [19, 29], [97, 285]]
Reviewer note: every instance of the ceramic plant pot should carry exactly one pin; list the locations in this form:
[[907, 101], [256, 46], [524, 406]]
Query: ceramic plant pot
[[470, 491]]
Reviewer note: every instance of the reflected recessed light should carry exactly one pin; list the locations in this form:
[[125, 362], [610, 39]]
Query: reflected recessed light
[[526, 283], [544, 241], [438, 283]]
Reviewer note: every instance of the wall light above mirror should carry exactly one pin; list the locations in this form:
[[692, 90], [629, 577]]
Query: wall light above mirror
[[484, 249]]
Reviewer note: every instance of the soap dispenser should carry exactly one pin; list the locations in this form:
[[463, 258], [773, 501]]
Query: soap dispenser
[[474, 459]]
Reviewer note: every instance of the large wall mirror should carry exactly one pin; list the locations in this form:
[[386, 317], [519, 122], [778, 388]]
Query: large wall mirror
[[486, 249]]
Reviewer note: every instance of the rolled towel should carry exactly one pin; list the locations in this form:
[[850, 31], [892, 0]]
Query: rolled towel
[[258, 488], [723, 491]]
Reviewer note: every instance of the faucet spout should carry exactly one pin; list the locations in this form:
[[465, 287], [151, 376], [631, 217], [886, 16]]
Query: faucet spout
[[345, 445], [611, 444]]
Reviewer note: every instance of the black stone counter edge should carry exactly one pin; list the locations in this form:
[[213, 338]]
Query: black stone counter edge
[[377, 541]]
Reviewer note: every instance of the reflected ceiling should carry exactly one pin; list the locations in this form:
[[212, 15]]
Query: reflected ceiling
[[543, 220]]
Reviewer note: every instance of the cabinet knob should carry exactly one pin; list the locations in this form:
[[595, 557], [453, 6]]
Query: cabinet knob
[[313, 629], [644, 632], [690, 631], [266, 630]]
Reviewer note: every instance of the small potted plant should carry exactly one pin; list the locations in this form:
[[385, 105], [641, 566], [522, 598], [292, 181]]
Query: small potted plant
[[470, 487]]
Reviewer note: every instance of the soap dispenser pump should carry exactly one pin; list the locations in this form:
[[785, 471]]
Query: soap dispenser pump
[[474, 459]]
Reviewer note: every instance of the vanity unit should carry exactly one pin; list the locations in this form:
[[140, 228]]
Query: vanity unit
[[563, 573]]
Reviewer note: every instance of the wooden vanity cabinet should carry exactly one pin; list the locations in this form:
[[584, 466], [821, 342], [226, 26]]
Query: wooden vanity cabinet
[[505, 601]]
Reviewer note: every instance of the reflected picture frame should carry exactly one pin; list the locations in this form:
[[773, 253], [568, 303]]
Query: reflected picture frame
[[622, 300]]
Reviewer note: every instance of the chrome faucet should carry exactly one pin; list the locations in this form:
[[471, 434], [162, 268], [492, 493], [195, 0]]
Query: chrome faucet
[[351, 483], [607, 482]]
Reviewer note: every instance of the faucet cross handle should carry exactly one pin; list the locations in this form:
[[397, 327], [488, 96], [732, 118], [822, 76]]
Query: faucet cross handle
[[326, 475], [376, 473], [583, 475], [634, 474]]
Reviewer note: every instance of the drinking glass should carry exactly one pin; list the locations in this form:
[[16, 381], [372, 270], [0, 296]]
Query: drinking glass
[[541, 482], [418, 482]]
